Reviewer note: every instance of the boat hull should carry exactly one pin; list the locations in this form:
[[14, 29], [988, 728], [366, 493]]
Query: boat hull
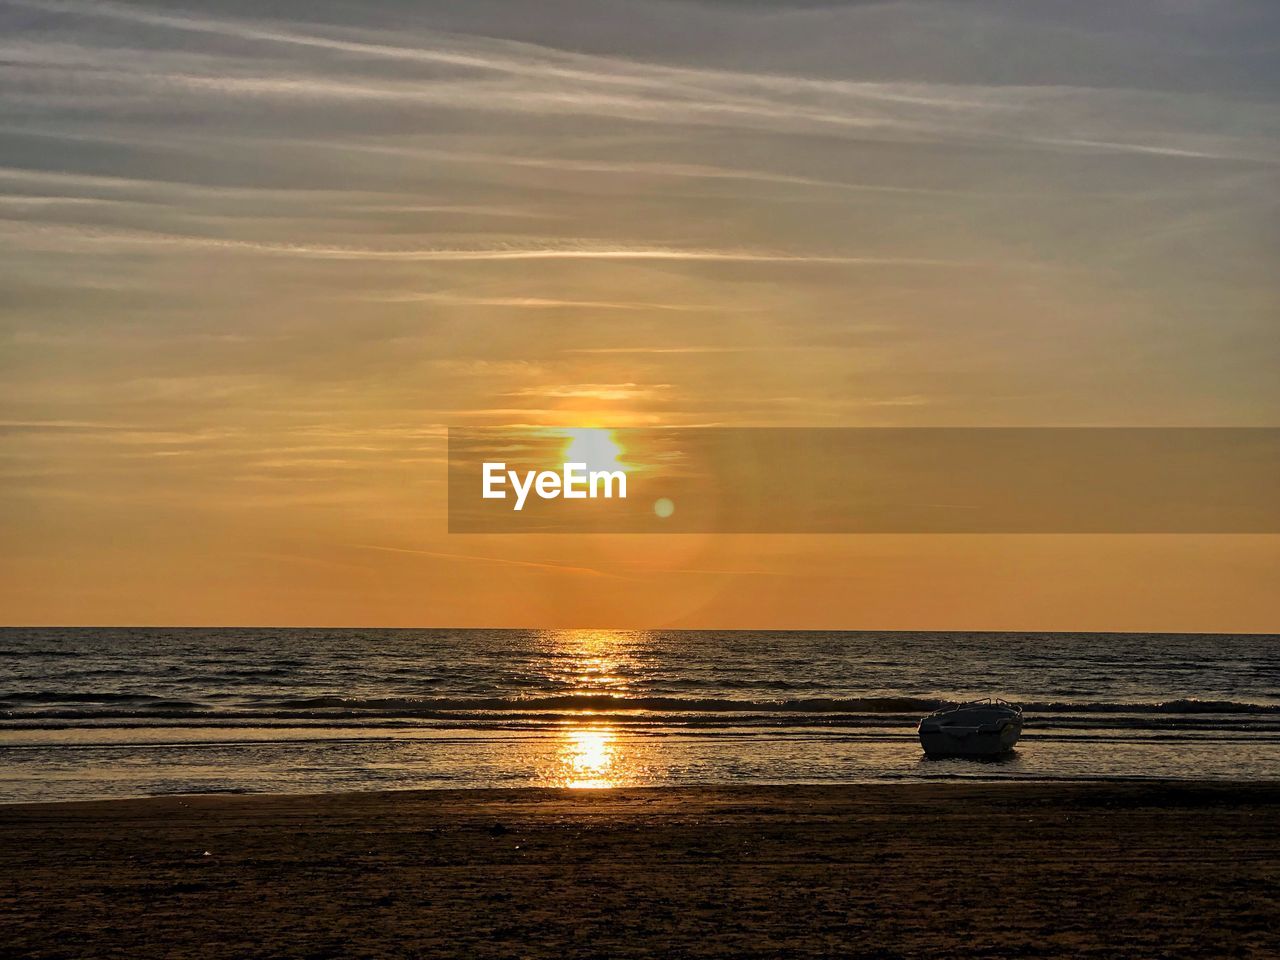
[[943, 742]]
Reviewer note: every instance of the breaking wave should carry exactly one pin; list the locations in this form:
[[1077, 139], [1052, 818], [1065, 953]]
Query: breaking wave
[[70, 706]]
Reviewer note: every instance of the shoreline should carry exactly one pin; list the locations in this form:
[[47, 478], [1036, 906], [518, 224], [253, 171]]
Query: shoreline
[[940, 781], [903, 870]]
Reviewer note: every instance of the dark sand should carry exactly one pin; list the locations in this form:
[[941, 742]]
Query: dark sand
[[920, 870]]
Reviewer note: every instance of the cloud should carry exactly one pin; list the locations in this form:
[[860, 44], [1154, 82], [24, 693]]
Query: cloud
[[55, 237], [684, 349], [529, 303], [550, 566], [58, 427], [593, 391], [450, 72], [251, 214]]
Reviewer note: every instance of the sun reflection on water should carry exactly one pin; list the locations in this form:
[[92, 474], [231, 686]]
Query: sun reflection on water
[[590, 752], [588, 663], [586, 758]]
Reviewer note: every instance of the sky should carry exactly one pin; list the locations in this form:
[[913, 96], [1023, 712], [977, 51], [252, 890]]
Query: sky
[[256, 259]]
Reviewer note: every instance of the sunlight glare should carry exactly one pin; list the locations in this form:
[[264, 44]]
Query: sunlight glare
[[587, 756], [597, 447]]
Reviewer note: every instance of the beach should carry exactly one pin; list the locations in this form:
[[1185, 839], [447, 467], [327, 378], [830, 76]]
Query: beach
[[1043, 869]]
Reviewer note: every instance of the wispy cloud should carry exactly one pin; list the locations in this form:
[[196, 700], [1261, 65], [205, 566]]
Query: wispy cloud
[[53, 236], [530, 303], [593, 391], [690, 349], [546, 565], [469, 73]]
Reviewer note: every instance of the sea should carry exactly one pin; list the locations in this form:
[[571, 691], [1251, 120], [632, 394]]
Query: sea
[[97, 712]]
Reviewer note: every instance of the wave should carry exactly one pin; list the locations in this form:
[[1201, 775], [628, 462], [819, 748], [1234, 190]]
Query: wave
[[54, 705], [1180, 706], [609, 702], [55, 696]]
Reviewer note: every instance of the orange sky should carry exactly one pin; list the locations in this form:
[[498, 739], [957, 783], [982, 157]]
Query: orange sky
[[252, 270]]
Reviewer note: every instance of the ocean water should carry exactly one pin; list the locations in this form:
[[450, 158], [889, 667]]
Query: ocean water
[[92, 712]]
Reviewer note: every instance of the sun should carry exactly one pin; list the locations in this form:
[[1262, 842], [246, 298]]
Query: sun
[[594, 446]]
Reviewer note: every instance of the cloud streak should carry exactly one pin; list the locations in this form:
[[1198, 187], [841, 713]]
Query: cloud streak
[[548, 566], [475, 73], [533, 303], [53, 237]]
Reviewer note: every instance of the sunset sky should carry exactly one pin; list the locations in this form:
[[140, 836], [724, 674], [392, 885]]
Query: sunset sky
[[255, 259]]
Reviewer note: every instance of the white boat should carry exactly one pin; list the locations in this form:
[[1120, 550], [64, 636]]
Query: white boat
[[980, 728]]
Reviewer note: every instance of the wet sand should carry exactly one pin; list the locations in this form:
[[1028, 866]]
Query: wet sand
[[876, 871]]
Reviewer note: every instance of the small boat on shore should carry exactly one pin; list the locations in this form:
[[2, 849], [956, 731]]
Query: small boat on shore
[[979, 728]]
